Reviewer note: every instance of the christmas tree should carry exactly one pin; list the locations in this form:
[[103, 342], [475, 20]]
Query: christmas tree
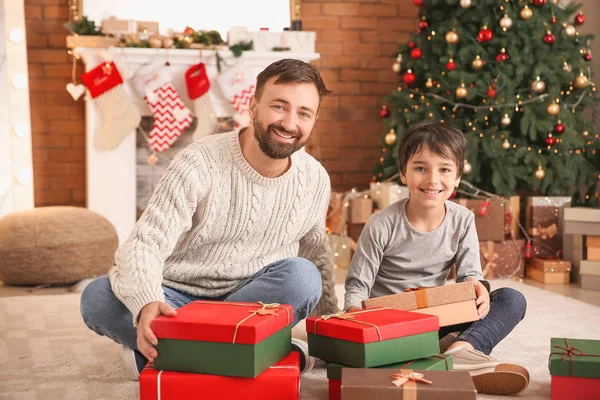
[[515, 77]]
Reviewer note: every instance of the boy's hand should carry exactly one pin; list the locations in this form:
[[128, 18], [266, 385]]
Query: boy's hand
[[146, 340], [483, 298], [354, 308]]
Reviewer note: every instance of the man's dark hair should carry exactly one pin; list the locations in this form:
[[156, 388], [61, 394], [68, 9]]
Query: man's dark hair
[[290, 70], [442, 138]]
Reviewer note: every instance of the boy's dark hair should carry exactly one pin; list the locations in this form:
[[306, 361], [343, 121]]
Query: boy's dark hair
[[442, 138], [290, 70]]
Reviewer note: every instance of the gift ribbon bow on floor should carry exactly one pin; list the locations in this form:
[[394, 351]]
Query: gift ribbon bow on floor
[[571, 351], [350, 317], [407, 379]]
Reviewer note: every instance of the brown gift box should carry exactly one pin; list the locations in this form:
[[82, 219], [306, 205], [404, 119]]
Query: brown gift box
[[593, 254], [544, 218], [360, 384], [548, 277], [361, 208], [592, 241], [453, 304], [335, 214], [502, 259], [491, 226], [549, 265]]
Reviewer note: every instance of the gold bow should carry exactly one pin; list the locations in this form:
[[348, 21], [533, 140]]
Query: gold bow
[[350, 317], [546, 233], [401, 378]]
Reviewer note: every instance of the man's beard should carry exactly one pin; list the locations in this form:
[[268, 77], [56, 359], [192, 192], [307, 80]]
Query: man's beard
[[271, 146]]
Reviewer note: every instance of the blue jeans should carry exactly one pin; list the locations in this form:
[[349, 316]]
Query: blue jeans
[[295, 281], [507, 309]]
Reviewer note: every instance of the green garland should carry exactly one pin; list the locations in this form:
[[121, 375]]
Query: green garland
[[84, 27]]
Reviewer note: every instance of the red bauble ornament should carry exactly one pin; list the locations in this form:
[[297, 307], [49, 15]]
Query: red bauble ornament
[[423, 24], [549, 38], [485, 35], [528, 253], [411, 44], [451, 65], [188, 31], [416, 53], [418, 3], [384, 113], [539, 3], [579, 19], [550, 141], [484, 208], [559, 128], [501, 57], [491, 93], [553, 20], [409, 78], [587, 57]]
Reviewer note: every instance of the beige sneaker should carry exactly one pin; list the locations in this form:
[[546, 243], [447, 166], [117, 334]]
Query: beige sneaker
[[490, 376]]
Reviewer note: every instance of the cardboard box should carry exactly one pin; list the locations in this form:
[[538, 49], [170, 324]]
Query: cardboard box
[[592, 241], [573, 252], [590, 268], [548, 265], [544, 221], [492, 225], [502, 259], [550, 278], [593, 254], [361, 209], [583, 214], [591, 282]]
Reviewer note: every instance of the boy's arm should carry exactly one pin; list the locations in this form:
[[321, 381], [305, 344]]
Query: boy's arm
[[366, 261], [468, 263]]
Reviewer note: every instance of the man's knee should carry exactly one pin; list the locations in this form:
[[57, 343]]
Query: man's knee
[[95, 301], [304, 279]]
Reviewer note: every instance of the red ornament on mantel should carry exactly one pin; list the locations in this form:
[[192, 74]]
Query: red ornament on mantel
[[484, 208], [491, 93], [539, 3], [559, 128], [528, 253], [418, 3], [580, 19], [549, 38], [416, 53], [409, 78], [451, 65], [550, 141], [384, 113]]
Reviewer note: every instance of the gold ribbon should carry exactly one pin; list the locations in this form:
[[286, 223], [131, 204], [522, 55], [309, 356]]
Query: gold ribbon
[[490, 258], [408, 379], [420, 295], [350, 317], [545, 233], [266, 309]]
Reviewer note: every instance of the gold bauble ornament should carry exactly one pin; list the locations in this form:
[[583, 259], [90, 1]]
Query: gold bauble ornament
[[540, 173], [167, 42], [462, 92], [526, 13], [506, 22], [467, 168], [466, 3], [506, 144], [396, 67], [477, 63], [585, 134], [152, 159], [505, 121], [429, 83], [581, 81], [553, 109], [155, 41], [390, 137], [569, 30], [538, 86], [452, 37]]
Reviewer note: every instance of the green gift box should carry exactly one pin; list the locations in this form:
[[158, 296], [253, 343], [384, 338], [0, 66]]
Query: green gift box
[[440, 362], [374, 337], [223, 338], [575, 357]]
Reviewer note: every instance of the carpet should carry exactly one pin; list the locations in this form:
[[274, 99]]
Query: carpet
[[46, 352]]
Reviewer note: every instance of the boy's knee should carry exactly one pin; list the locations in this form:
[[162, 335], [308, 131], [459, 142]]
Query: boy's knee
[[514, 300]]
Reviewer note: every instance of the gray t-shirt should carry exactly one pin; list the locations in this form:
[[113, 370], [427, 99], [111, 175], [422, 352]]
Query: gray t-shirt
[[392, 256]]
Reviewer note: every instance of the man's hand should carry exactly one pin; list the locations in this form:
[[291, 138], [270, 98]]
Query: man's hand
[[145, 337], [483, 298], [354, 308]]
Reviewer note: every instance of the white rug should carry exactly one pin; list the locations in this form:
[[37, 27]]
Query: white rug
[[46, 352]]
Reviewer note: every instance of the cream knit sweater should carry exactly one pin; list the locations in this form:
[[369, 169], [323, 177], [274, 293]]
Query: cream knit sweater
[[214, 221]]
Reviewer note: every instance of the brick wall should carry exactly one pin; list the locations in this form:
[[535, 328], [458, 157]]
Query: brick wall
[[357, 40], [57, 122]]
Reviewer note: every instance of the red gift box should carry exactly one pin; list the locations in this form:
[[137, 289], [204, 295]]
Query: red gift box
[[225, 322], [281, 381], [573, 387], [335, 389], [373, 325]]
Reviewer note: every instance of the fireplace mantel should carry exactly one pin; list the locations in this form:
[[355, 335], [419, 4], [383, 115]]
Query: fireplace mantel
[[111, 174]]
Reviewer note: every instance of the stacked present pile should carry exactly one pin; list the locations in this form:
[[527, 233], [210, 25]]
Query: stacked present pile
[[375, 350], [575, 368], [223, 349], [582, 245]]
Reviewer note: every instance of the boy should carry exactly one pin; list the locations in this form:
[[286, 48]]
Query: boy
[[414, 243]]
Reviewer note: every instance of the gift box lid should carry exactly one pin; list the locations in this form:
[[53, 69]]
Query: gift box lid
[[574, 357], [225, 322], [178, 385], [582, 214], [414, 299], [379, 383], [372, 325], [438, 362]]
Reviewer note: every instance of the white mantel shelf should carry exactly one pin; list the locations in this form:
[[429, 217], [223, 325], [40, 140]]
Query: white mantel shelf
[[111, 174]]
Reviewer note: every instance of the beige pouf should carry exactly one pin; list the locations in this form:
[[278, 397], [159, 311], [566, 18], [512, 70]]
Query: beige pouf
[[54, 245]]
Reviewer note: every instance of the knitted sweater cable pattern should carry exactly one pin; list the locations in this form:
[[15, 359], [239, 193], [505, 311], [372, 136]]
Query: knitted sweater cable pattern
[[213, 221]]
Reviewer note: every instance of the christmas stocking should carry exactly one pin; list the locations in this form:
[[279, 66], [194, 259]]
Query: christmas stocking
[[197, 84], [171, 116], [121, 116], [238, 85]]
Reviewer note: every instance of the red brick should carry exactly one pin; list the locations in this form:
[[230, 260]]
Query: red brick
[[57, 41], [46, 85], [329, 49], [40, 182], [340, 62], [56, 12], [46, 27], [335, 35], [358, 22], [328, 114], [47, 56], [37, 41], [359, 101], [330, 102], [66, 155], [311, 9], [52, 197], [58, 70], [388, 49], [371, 49], [336, 182], [331, 153], [51, 113], [329, 75], [377, 88], [33, 12], [67, 127], [52, 169], [45, 2], [358, 75], [313, 23], [50, 141], [39, 127], [359, 180], [77, 141], [346, 164], [377, 10], [77, 111], [387, 76], [405, 7], [340, 8], [35, 71], [58, 98], [78, 195], [328, 128], [379, 63], [345, 87], [396, 23], [38, 156], [67, 182]]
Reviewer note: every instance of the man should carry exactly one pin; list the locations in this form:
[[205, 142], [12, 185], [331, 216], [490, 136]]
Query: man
[[238, 216]]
